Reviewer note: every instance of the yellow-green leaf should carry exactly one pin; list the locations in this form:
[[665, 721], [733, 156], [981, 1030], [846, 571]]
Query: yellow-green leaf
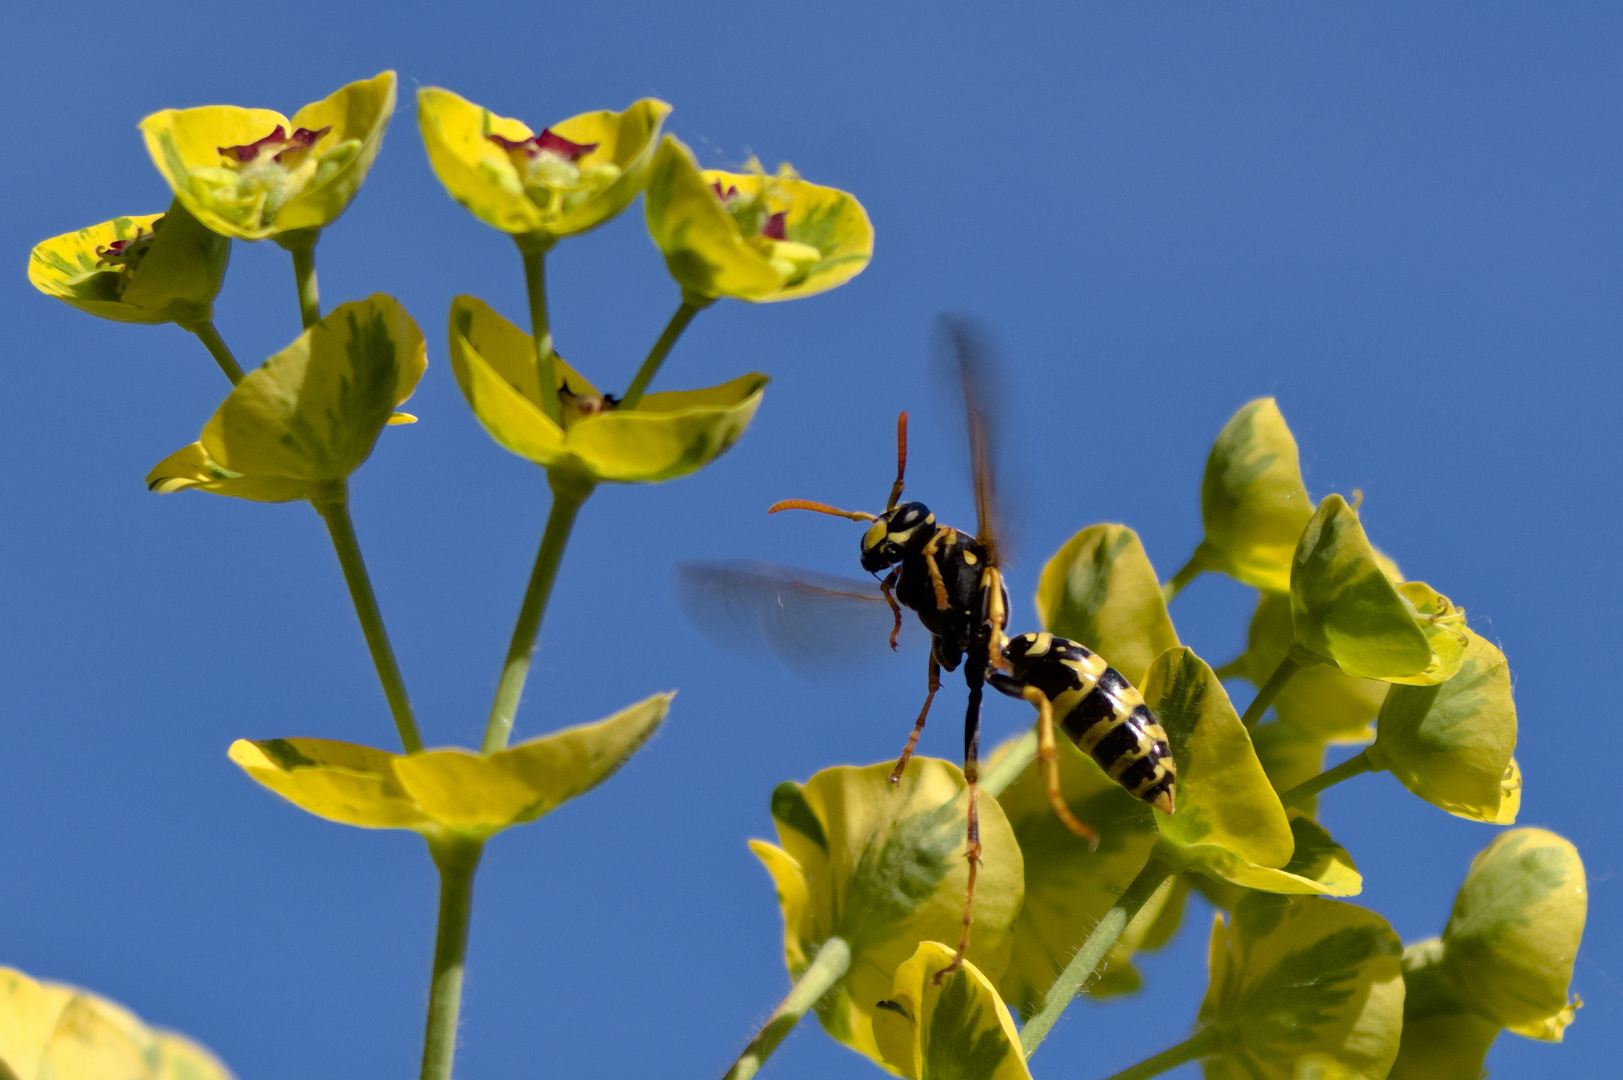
[[1299, 976], [296, 427], [719, 245], [1100, 589], [667, 435], [165, 268], [883, 867], [957, 1030], [539, 197], [1451, 744], [263, 197], [1321, 698], [53, 1032], [1289, 756], [1513, 936], [449, 791], [1252, 499], [1068, 887], [1442, 1038]]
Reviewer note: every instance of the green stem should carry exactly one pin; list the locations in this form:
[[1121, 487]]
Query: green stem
[[656, 356], [457, 861], [1010, 765], [1203, 1044], [304, 273], [832, 962], [1294, 660], [535, 283], [1191, 570], [211, 339], [1092, 952], [335, 512], [1353, 766], [566, 501]]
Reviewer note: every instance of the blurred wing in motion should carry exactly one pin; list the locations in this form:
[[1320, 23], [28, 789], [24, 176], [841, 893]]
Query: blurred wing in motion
[[814, 624], [969, 375]]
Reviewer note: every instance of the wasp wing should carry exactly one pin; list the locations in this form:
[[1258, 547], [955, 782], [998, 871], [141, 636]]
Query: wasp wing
[[967, 363], [814, 624]]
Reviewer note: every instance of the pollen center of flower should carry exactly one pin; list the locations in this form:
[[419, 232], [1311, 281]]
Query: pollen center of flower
[[124, 257], [554, 171], [255, 179], [767, 229]]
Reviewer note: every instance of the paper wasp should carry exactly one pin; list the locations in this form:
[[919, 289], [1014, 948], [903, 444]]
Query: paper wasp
[[953, 581]]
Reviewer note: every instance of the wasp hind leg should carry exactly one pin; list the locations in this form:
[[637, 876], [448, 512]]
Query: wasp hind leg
[[1048, 755], [918, 726], [972, 846]]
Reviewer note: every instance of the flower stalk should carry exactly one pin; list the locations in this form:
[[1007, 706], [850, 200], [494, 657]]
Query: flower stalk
[[535, 286], [1294, 660], [1353, 766], [1180, 581], [827, 968], [457, 859], [1202, 1044], [690, 307], [215, 344]]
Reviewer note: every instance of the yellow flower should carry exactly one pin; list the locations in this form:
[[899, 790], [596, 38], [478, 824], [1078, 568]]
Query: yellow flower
[[255, 174], [665, 436], [570, 178], [155, 268], [955, 1029], [750, 235]]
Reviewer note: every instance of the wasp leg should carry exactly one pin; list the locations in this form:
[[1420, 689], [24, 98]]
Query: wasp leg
[[888, 587], [972, 849], [928, 551], [918, 726], [1048, 755]]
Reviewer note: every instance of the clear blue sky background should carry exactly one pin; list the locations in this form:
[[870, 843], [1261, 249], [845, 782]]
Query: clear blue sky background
[[1402, 220]]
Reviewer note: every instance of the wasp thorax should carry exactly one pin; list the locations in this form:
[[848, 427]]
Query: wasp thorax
[[896, 532]]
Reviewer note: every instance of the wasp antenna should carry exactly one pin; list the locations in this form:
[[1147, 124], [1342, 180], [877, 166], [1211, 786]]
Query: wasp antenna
[[821, 508], [901, 461]]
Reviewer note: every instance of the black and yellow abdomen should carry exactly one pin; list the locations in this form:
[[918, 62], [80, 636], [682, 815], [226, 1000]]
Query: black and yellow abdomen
[[1101, 712]]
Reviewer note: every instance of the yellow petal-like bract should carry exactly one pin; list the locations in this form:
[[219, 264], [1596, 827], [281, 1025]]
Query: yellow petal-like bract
[[153, 269], [539, 197], [284, 186], [49, 1031], [714, 230], [455, 792], [882, 867], [1252, 500], [958, 1029], [1100, 589], [1320, 699], [667, 435], [296, 427]]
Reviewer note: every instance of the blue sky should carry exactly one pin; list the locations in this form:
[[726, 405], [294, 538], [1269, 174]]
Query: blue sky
[[1401, 220]]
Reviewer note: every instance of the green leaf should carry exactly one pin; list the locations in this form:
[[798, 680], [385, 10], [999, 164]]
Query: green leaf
[[1513, 936], [53, 1032], [957, 1030], [1252, 500], [1100, 589], [1451, 744], [886, 873], [1069, 887], [1297, 976], [300, 424], [1442, 1038], [1320, 698]]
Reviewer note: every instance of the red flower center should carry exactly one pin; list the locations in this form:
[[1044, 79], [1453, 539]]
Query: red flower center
[[546, 142], [278, 143]]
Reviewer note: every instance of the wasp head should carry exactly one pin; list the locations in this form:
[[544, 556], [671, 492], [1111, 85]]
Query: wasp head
[[894, 534]]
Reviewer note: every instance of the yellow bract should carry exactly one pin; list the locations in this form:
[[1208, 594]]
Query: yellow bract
[[152, 269], [827, 241], [667, 435], [300, 424], [549, 197], [882, 867], [1302, 977], [53, 1032], [957, 1030], [1229, 822], [1347, 610], [1451, 744], [1100, 589], [453, 791], [263, 198], [1252, 500], [1442, 1038]]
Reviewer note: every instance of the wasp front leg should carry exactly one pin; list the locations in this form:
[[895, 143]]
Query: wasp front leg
[[929, 550], [918, 726], [888, 588], [1048, 756]]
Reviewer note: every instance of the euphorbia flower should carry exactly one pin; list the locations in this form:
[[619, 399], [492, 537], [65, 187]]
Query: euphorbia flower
[[155, 268], [568, 178], [752, 236], [255, 174]]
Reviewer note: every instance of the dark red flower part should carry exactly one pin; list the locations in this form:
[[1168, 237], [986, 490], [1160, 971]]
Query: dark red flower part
[[546, 141], [715, 185], [773, 229], [277, 142], [115, 248]]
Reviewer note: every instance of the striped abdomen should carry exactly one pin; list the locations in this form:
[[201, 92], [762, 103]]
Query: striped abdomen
[[1101, 712]]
